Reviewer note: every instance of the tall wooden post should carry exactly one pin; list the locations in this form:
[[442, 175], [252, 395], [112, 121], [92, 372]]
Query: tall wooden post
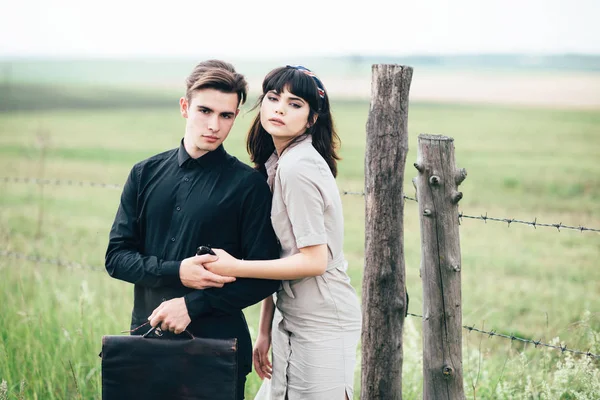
[[383, 296], [438, 196]]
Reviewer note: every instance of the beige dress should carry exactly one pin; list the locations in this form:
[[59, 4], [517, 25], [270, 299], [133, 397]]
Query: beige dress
[[317, 322]]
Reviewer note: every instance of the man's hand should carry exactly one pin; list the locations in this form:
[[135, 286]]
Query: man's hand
[[193, 274], [173, 314]]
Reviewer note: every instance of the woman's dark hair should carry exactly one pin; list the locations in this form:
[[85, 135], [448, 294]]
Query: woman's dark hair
[[324, 138]]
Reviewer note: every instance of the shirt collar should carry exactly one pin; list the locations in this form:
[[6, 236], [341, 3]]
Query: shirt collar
[[274, 159], [212, 157], [302, 140]]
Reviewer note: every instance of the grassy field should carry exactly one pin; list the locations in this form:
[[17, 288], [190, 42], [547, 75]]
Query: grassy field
[[522, 163]]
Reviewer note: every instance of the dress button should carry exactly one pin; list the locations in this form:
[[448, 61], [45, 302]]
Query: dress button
[[186, 179], [178, 208], [172, 239]]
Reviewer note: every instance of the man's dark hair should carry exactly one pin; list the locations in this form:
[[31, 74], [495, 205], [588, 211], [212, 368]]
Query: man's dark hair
[[219, 75]]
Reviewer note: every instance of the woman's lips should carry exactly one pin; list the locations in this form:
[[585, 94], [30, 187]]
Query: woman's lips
[[276, 121]]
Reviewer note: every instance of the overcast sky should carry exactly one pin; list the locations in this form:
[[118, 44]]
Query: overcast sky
[[249, 28]]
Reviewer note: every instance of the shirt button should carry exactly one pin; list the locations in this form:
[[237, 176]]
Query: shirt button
[[172, 239], [178, 208], [186, 179]]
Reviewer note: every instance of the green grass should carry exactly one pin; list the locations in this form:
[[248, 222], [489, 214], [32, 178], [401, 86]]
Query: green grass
[[521, 163]]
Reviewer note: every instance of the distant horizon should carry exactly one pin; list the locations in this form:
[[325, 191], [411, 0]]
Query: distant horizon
[[424, 55], [168, 71], [558, 80]]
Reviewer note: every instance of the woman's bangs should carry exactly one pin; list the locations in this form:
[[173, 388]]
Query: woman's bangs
[[295, 82]]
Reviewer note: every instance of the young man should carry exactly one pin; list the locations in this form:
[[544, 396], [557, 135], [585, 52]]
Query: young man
[[195, 195]]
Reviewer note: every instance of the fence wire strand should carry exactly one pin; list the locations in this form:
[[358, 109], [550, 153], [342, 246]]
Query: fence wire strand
[[348, 192], [70, 182], [43, 260], [461, 215], [535, 343], [509, 221], [533, 223], [492, 333], [60, 182]]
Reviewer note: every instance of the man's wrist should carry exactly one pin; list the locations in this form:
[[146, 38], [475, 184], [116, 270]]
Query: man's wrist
[[170, 268], [196, 304]]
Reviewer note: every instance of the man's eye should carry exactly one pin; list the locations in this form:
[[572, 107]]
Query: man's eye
[[204, 111], [228, 116]]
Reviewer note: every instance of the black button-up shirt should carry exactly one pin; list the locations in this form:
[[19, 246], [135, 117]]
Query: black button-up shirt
[[170, 205]]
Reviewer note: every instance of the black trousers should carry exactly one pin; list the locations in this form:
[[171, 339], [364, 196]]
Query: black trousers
[[240, 387]]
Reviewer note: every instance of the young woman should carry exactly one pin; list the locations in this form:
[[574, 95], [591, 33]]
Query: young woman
[[315, 326]]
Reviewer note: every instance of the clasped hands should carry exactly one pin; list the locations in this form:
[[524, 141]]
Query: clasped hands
[[172, 315]]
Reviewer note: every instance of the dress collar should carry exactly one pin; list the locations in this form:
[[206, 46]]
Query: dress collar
[[273, 162]]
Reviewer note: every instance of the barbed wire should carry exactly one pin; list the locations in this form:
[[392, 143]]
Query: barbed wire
[[346, 192], [492, 333], [60, 182], [43, 260], [509, 221], [70, 182], [349, 192], [533, 223], [461, 215], [535, 343]]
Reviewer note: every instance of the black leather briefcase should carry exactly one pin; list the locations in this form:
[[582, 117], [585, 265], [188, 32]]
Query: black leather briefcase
[[150, 367]]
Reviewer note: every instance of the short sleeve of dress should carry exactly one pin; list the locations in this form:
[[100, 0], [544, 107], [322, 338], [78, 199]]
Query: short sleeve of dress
[[302, 191]]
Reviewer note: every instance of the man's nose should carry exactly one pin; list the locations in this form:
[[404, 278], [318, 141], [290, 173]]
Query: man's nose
[[213, 124]]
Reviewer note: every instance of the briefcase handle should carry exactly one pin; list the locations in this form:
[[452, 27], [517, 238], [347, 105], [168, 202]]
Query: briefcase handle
[[155, 329], [158, 332]]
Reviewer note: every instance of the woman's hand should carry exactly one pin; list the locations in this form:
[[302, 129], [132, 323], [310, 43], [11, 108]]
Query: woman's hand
[[193, 274], [226, 265], [260, 356]]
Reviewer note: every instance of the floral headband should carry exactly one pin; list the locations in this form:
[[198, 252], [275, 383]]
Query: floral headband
[[320, 87]]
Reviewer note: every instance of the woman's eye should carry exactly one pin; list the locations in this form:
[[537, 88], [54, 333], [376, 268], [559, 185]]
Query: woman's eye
[[272, 98], [295, 105]]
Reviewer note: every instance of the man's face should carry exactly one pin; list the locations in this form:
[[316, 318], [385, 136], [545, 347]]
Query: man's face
[[210, 115]]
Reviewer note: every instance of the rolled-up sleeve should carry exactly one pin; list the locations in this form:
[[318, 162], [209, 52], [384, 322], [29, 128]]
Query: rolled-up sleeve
[[302, 190]]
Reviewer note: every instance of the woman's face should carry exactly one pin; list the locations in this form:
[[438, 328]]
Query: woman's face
[[284, 115]]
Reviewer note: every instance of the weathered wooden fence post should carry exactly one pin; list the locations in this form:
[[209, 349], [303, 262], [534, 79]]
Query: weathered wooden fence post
[[438, 197], [384, 293]]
